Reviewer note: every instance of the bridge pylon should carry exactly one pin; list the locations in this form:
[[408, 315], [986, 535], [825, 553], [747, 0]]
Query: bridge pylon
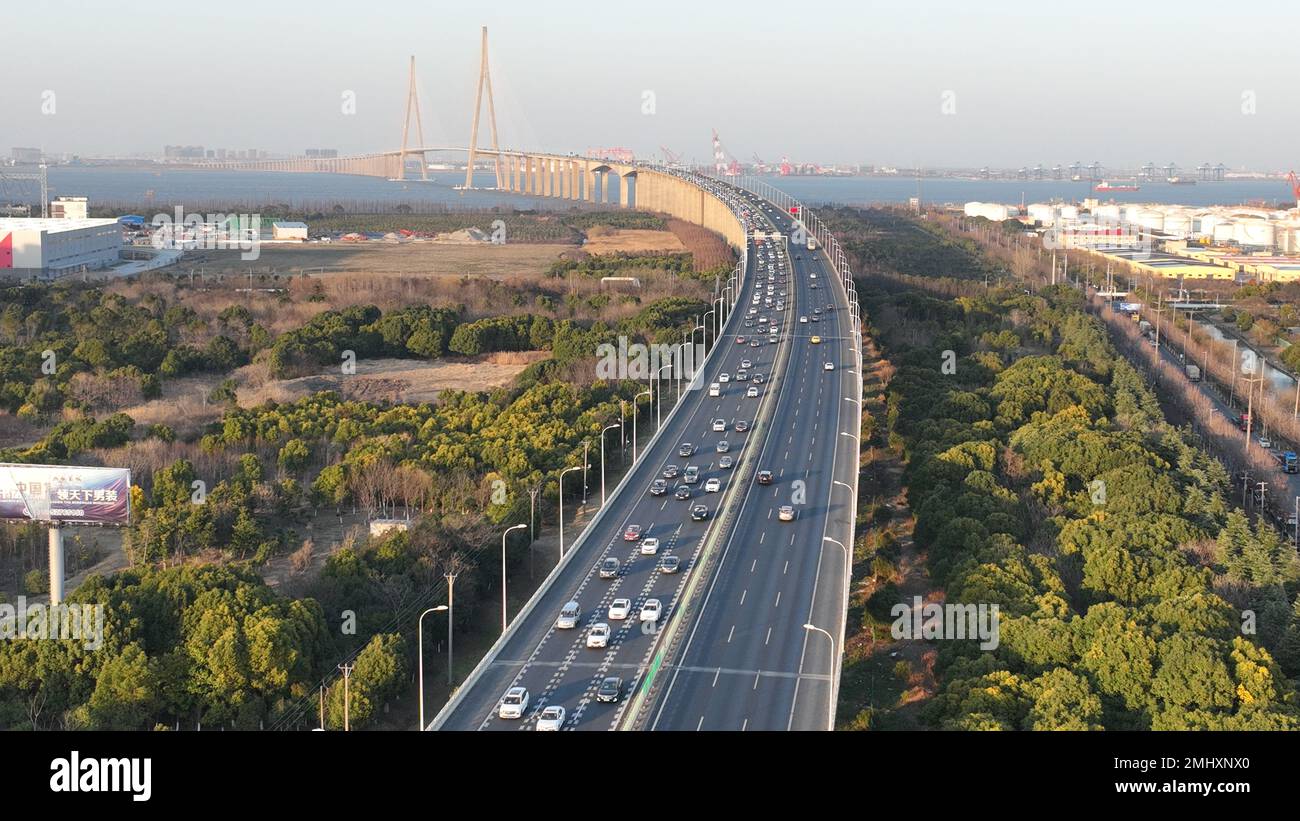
[[412, 101], [484, 79]]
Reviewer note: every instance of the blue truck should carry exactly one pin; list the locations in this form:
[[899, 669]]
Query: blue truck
[[1290, 464]]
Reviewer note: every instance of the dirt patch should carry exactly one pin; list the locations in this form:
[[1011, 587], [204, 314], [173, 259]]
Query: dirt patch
[[603, 240], [398, 380], [427, 258]]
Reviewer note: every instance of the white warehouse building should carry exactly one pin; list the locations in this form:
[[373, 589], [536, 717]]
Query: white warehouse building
[[49, 247]]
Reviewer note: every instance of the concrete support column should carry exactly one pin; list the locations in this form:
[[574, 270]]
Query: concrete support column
[[56, 565], [575, 181], [588, 183], [624, 194]]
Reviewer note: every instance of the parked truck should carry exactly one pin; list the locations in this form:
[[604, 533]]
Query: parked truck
[[1144, 327], [1193, 373], [1290, 463]]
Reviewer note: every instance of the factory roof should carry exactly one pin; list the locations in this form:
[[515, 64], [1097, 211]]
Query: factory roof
[[52, 226]]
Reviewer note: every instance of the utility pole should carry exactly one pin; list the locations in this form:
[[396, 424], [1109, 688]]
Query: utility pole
[[1250, 405], [347, 694]]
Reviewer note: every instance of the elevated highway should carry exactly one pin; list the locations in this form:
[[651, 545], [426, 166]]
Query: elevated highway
[[730, 649]]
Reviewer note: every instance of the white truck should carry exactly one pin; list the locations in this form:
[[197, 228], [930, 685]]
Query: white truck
[[1193, 373]]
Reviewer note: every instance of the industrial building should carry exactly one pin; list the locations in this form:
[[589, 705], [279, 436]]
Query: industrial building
[[70, 208], [289, 231], [50, 247]]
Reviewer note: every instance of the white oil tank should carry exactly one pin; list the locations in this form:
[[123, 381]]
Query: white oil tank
[[1150, 219], [1255, 233], [1178, 225], [1042, 213], [1107, 213], [1225, 231]]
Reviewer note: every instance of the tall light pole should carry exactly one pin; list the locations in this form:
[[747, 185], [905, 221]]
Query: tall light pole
[[603, 431], [830, 699], [420, 630], [634, 404], [659, 397], [566, 470], [503, 573]]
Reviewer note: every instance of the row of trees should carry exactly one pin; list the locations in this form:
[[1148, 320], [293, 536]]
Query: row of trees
[[1044, 479]]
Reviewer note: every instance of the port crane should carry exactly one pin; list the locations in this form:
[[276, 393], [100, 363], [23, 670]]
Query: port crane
[[723, 163], [1295, 187]]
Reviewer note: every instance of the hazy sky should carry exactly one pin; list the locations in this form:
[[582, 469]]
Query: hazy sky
[[1119, 82]]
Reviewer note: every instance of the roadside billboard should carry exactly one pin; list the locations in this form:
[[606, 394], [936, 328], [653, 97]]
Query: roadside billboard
[[65, 494]]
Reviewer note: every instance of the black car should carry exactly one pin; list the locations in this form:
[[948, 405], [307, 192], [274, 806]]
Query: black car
[[670, 472], [687, 449], [670, 564], [682, 492], [611, 687], [658, 487], [699, 513], [765, 477]]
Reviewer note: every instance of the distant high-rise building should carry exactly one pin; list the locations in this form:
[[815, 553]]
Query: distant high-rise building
[[322, 153], [26, 156], [183, 152]]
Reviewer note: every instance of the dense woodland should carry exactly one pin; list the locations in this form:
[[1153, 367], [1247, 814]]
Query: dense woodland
[[194, 635], [1044, 478]]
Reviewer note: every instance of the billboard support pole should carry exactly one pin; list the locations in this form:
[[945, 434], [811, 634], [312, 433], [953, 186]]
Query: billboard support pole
[[56, 566]]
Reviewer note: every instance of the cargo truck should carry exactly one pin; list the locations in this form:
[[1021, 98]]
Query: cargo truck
[[1193, 373]]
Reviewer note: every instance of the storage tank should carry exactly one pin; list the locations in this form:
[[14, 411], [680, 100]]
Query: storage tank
[[972, 209], [1178, 225], [1208, 222], [1225, 231], [1069, 213], [1150, 219], [1131, 212], [1042, 212], [1255, 233], [1107, 213]]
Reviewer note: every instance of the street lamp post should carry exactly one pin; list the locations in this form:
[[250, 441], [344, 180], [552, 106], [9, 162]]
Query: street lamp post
[[659, 397], [503, 573], [830, 699], [420, 631], [634, 404], [566, 470], [603, 431]]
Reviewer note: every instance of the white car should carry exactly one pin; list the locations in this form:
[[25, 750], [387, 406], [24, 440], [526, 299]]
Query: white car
[[570, 613], [803, 319], [752, 392], [598, 636], [551, 719], [713, 485], [745, 364], [725, 462], [619, 608], [829, 366], [651, 609], [719, 425], [786, 513], [649, 546], [514, 703], [724, 378]]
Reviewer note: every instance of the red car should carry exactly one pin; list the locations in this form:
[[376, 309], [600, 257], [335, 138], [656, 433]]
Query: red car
[[740, 340], [632, 533]]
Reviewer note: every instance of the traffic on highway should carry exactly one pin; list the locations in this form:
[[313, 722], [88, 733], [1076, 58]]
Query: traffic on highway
[[739, 474]]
